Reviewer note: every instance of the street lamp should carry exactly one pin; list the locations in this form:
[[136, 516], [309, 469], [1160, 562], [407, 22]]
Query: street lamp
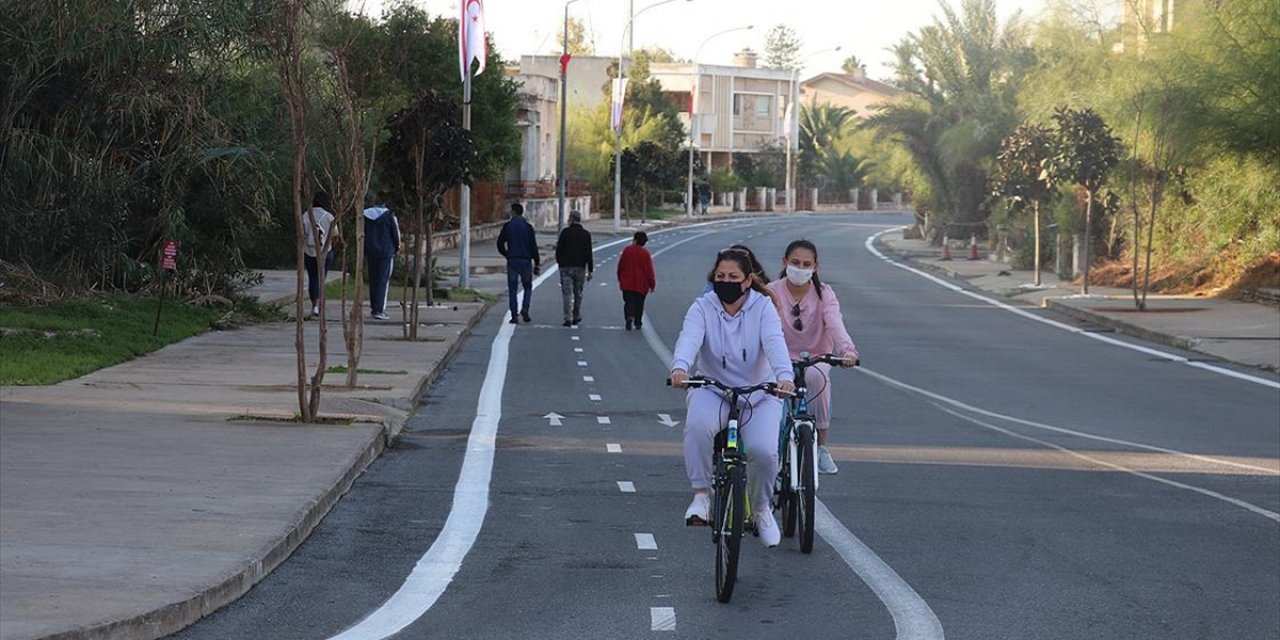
[[617, 147], [564, 93], [792, 134], [693, 101]]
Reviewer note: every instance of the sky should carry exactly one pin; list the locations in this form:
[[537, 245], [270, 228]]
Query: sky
[[865, 28]]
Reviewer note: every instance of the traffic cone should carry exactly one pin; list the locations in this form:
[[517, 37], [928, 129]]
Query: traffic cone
[[946, 249], [973, 247]]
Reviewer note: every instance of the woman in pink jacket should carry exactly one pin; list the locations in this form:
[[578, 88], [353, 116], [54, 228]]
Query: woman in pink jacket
[[734, 334], [812, 323]]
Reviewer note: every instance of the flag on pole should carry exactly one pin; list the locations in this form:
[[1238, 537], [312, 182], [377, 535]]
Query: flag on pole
[[792, 133], [619, 93], [471, 44]]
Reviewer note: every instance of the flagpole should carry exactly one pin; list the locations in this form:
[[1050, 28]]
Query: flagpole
[[464, 225]]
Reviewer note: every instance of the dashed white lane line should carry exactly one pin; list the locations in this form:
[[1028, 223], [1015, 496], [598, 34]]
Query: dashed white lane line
[[588, 379], [613, 448], [603, 420], [645, 542], [594, 397], [662, 619], [577, 349], [575, 338], [582, 363], [626, 487]]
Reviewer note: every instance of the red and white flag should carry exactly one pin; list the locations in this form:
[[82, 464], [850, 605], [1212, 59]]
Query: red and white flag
[[471, 44]]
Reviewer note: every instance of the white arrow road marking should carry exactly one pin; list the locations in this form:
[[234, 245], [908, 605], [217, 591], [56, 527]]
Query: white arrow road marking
[[662, 619], [665, 419], [613, 448], [626, 487], [555, 419], [603, 420], [645, 542]]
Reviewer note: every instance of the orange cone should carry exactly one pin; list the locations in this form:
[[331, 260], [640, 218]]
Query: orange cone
[[973, 247], [946, 248]]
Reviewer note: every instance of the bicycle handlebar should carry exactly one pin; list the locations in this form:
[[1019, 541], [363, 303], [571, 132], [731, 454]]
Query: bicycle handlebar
[[703, 381], [828, 358]]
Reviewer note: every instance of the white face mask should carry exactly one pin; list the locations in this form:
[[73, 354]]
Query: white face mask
[[797, 276]]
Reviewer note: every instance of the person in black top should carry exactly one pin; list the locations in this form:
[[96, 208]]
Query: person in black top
[[573, 255], [518, 243]]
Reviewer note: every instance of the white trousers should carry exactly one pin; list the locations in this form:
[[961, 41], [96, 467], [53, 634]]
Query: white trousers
[[758, 427]]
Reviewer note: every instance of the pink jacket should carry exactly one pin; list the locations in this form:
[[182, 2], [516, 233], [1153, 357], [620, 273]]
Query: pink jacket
[[822, 320]]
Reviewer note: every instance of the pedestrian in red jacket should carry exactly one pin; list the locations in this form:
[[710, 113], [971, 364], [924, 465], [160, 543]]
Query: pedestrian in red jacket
[[636, 279]]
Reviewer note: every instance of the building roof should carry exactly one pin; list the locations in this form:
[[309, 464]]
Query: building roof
[[864, 83]]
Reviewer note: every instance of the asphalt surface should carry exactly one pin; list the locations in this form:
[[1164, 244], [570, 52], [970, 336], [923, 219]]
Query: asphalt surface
[[1020, 481]]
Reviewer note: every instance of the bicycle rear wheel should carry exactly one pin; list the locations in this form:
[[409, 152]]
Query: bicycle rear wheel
[[731, 509], [806, 494]]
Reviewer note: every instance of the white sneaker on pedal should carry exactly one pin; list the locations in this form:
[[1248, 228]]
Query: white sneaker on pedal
[[770, 534], [826, 465], [697, 513]]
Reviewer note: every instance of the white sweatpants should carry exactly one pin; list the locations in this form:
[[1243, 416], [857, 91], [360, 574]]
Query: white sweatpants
[[758, 427], [817, 379]]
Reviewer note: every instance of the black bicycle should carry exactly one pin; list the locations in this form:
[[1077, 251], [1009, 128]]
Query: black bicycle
[[796, 489], [730, 499]]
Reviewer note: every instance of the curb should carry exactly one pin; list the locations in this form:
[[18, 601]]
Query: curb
[[174, 617], [1180, 342]]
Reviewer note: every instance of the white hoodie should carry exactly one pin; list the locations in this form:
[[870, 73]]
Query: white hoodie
[[739, 350]]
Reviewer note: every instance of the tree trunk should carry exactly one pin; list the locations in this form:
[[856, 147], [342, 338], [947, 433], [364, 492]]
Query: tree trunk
[[1157, 196], [418, 159], [1088, 238], [1035, 212]]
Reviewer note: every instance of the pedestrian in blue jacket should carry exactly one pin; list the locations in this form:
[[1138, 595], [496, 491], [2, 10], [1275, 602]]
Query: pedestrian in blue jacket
[[381, 244], [518, 243]]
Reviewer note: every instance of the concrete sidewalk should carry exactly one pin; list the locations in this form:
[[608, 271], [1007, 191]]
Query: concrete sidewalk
[[139, 498], [1239, 332]]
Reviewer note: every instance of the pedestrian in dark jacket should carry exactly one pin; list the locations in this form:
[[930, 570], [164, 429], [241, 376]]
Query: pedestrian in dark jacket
[[518, 243], [381, 244], [636, 279], [573, 256]]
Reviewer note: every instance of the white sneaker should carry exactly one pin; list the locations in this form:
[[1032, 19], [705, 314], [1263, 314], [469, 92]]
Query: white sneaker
[[381, 316], [697, 513], [315, 311], [826, 465], [770, 535]]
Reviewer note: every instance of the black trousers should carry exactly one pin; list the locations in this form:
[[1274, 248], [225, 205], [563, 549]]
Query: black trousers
[[633, 306]]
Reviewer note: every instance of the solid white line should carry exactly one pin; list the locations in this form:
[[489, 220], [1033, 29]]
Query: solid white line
[[613, 448], [1212, 494], [645, 542], [1047, 427], [626, 487], [603, 420], [662, 619], [912, 617], [870, 245]]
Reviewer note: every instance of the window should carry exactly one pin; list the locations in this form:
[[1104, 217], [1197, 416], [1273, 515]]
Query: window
[[762, 107]]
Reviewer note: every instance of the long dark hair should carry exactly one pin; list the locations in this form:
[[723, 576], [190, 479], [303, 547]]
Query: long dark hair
[[742, 257], [803, 244]]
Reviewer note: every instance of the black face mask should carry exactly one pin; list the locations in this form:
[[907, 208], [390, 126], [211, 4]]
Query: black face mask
[[728, 292]]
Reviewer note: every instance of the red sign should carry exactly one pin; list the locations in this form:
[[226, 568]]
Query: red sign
[[169, 255]]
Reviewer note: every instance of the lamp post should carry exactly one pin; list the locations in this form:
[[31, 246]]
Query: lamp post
[[693, 111], [792, 134], [564, 96], [617, 147]]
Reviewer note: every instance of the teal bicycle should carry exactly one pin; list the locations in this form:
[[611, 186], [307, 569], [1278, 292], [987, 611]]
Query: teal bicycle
[[796, 488]]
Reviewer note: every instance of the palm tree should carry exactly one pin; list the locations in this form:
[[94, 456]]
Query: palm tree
[[821, 125]]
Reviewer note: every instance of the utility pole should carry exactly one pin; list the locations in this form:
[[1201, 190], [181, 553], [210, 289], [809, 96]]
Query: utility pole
[[564, 93]]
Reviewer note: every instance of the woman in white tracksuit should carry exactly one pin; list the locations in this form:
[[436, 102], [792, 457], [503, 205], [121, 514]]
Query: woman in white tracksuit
[[735, 335]]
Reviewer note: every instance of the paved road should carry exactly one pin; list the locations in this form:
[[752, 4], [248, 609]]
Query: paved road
[[1000, 478]]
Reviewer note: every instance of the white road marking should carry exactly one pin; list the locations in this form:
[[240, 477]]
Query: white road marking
[[603, 420], [577, 349], [555, 419], [594, 397], [870, 245], [575, 338], [582, 363], [662, 619], [588, 379], [645, 542], [665, 419], [626, 487], [613, 448], [912, 617]]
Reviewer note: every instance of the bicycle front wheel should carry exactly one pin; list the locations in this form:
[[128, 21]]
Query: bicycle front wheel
[[731, 511], [806, 493]]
